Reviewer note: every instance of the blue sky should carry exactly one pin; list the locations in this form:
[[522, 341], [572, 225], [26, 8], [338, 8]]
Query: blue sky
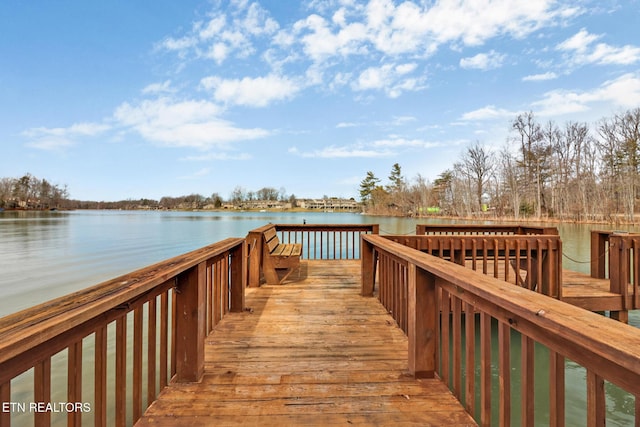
[[150, 98]]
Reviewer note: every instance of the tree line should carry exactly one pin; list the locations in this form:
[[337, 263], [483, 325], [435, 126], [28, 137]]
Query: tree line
[[29, 192], [545, 170]]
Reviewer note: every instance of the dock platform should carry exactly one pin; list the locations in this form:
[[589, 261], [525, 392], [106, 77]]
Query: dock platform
[[310, 352]]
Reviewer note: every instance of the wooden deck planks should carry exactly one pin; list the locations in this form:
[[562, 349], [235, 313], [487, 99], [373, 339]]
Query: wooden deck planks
[[309, 352]]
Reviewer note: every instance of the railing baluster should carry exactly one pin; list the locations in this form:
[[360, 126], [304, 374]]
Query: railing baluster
[[556, 390], [504, 374], [457, 350], [151, 350], [527, 381], [137, 363], [596, 411], [445, 338], [74, 381], [100, 377], [121, 371], [5, 396], [211, 270], [164, 338], [470, 351], [485, 369], [42, 390]]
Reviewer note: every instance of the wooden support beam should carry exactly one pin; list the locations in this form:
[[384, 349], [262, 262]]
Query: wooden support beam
[[368, 261], [254, 245], [422, 319], [190, 324], [238, 266], [598, 252]]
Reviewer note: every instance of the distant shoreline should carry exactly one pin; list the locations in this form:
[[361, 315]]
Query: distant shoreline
[[617, 220]]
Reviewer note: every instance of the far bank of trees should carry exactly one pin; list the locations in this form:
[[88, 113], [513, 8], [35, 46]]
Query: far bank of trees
[[29, 192], [545, 170]]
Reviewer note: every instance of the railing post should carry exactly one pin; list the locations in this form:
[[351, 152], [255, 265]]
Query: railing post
[[619, 274], [422, 322], [190, 323], [598, 251], [368, 264], [238, 280], [254, 244]]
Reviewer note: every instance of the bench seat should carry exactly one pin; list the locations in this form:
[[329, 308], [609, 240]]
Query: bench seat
[[278, 256]]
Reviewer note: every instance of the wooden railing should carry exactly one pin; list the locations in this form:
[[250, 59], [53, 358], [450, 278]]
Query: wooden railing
[[436, 301], [616, 256], [624, 274], [168, 308], [482, 229], [319, 242], [531, 261]]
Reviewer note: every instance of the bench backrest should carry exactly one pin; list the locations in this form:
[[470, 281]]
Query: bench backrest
[[271, 239]]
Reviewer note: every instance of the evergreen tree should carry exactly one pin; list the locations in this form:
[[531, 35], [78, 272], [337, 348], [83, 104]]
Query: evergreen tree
[[367, 186]]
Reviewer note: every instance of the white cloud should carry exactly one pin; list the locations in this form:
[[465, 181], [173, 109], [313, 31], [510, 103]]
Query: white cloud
[[230, 32], [403, 142], [489, 112], [252, 92], [182, 124], [484, 61], [164, 87], [578, 42], [389, 77], [333, 152], [623, 92], [582, 50], [197, 174], [346, 125], [217, 156], [178, 44], [416, 28], [58, 138], [540, 77]]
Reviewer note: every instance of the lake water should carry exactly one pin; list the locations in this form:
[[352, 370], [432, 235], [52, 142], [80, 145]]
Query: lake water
[[44, 255]]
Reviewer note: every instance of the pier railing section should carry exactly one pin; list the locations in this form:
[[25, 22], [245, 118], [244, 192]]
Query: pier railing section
[[101, 356], [481, 229], [435, 301], [532, 261], [616, 256], [319, 242]]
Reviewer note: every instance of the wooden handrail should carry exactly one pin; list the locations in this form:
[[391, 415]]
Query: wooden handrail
[[482, 229], [436, 291], [188, 293]]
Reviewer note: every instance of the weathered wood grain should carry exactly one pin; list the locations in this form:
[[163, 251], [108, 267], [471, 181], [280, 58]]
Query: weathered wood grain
[[311, 352]]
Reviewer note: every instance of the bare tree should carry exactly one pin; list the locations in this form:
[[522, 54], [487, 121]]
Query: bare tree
[[478, 166]]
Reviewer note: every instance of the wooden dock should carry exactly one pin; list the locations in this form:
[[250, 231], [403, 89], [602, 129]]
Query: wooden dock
[[309, 352], [366, 329]]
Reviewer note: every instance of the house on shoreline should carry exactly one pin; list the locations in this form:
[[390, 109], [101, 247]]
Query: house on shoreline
[[323, 205]]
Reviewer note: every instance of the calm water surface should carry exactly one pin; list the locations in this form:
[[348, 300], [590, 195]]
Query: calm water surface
[[44, 255]]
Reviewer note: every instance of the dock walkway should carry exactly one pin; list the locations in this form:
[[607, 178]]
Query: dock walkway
[[309, 352]]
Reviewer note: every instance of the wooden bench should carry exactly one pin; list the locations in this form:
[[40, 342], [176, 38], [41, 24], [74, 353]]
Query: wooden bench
[[278, 256]]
